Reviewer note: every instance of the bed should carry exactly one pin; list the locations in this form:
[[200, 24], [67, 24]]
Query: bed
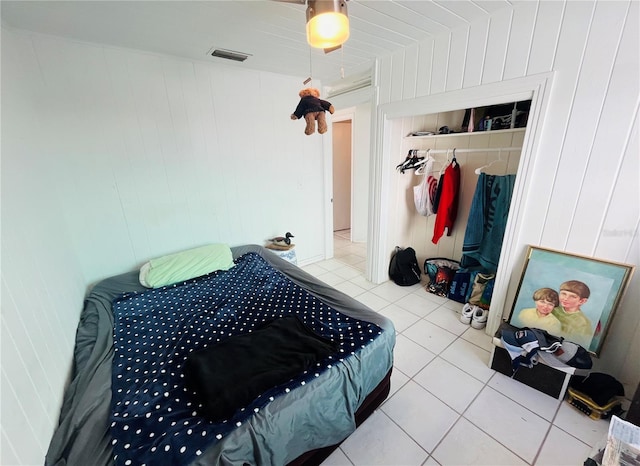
[[128, 402]]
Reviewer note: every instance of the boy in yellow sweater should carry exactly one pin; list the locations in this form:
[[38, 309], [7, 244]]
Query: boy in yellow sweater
[[576, 326]]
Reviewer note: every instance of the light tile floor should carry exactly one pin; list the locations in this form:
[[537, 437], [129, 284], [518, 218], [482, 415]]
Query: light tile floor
[[446, 406]]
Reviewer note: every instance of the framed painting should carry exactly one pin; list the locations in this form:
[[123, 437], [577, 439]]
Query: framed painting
[[570, 296]]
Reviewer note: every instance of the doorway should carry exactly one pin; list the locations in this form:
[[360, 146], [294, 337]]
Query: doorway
[[342, 176], [345, 250], [355, 116]]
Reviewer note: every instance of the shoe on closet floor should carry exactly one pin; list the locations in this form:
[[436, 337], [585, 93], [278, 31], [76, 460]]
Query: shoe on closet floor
[[467, 313], [479, 319]]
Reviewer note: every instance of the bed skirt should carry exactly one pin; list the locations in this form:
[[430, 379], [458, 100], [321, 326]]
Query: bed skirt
[[369, 405]]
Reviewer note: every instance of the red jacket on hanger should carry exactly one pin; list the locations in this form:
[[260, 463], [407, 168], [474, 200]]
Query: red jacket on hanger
[[448, 205]]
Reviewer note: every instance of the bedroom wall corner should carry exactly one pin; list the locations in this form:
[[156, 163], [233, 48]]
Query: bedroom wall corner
[[43, 283], [115, 157]]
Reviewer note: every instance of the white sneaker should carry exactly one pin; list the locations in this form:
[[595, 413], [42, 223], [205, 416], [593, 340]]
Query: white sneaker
[[467, 313], [479, 319]]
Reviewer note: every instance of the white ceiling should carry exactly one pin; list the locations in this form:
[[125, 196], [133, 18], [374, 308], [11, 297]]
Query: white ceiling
[[272, 32]]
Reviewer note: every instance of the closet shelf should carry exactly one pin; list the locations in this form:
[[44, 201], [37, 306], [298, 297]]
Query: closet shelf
[[473, 133]]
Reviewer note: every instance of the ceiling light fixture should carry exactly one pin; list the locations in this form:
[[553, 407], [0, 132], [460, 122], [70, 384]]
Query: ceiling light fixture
[[327, 23]]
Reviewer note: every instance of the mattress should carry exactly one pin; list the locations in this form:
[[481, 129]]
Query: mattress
[[276, 429]]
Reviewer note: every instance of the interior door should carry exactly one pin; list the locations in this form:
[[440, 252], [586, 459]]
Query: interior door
[[341, 175]]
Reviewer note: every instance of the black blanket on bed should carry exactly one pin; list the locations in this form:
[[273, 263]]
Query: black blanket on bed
[[230, 374]]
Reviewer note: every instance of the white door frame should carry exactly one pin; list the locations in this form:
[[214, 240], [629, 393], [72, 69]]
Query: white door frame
[[537, 88], [346, 103], [347, 114]]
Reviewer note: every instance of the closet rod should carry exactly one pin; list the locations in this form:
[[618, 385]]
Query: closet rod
[[444, 151]]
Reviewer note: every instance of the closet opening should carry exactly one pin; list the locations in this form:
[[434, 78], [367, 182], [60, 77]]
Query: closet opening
[[486, 144], [511, 150], [477, 150]]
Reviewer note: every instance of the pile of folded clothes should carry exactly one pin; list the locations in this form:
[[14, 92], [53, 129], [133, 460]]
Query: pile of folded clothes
[[526, 345]]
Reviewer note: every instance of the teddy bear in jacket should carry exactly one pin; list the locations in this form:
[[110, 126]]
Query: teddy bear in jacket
[[313, 109]]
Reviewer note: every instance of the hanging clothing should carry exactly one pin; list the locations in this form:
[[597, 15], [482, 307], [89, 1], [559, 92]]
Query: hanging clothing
[[438, 193], [421, 193], [448, 202], [487, 222], [433, 187]]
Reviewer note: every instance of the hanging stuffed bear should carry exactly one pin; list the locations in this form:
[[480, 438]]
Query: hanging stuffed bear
[[312, 108]]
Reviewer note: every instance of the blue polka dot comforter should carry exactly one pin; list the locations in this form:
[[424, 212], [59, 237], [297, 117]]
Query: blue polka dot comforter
[[130, 380]]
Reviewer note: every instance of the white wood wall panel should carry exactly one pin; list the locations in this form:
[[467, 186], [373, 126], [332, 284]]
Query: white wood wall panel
[[618, 233], [440, 17], [440, 66], [18, 346], [213, 170], [476, 50], [38, 300], [411, 72], [399, 196], [583, 190], [398, 73], [619, 238], [457, 58], [22, 446], [545, 37], [520, 38], [8, 452], [423, 71], [607, 154], [361, 166], [569, 55], [31, 333], [137, 137], [495, 56], [467, 10], [383, 80], [590, 91]]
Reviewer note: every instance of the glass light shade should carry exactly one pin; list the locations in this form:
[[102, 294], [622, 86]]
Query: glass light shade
[[326, 30]]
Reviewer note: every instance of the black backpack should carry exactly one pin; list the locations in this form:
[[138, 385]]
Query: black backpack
[[403, 268]]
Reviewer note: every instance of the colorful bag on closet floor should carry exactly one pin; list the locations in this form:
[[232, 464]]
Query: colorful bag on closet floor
[[441, 272], [482, 290], [460, 286]]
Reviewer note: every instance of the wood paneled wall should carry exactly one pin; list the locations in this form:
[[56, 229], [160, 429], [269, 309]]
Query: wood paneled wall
[[111, 157], [584, 191]]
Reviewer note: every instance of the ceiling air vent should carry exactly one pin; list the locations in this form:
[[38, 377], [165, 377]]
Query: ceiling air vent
[[229, 54], [349, 84]]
